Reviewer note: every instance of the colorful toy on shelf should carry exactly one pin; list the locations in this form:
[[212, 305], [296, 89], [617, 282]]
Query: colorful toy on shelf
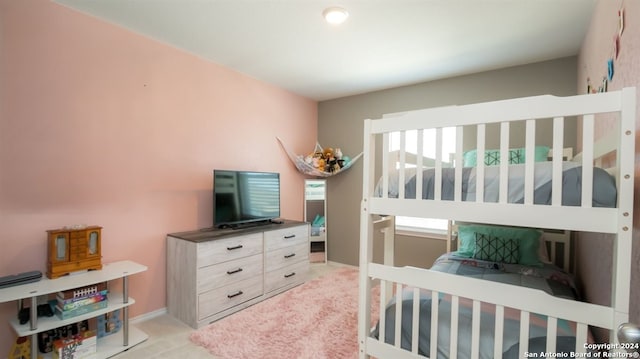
[[21, 349], [109, 323]]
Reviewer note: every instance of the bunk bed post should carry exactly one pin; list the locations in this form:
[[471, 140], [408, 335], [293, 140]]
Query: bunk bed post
[[366, 240], [621, 280]]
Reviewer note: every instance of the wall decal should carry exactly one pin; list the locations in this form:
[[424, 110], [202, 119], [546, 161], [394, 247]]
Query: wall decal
[[620, 21], [610, 65]]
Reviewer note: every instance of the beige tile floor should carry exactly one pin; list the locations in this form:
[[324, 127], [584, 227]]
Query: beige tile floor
[[169, 337]]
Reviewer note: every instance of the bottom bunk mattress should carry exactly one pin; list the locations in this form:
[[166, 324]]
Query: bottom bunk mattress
[[547, 278]]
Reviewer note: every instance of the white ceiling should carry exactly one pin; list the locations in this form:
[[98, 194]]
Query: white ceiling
[[383, 44]]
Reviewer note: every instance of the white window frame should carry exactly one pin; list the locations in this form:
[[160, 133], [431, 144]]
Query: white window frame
[[415, 226]]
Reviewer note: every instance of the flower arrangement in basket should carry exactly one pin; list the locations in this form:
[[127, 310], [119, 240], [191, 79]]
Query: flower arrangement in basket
[[321, 162]]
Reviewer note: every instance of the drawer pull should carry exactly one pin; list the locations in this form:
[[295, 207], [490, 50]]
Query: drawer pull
[[234, 294], [236, 247], [234, 271], [289, 255], [290, 236], [290, 275]]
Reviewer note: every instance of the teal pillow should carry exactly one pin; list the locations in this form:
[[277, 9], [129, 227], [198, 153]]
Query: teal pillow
[[466, 240], [496, 249], [516, 156], [541, 153], [528, 241]]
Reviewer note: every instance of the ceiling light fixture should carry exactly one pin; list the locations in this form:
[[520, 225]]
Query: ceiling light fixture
[[335, 15]]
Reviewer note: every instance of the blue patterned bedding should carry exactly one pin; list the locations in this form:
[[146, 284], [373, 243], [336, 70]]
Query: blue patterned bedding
[[604, 185], [548, 277]]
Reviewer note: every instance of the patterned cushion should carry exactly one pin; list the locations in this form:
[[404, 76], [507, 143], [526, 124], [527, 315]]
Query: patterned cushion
[[495, 249], [516, 156], [492, 158]]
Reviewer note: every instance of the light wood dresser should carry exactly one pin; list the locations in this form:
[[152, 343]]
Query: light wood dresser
[[215, 272]]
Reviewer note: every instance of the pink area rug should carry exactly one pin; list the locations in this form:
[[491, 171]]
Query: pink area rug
[[316, 320]]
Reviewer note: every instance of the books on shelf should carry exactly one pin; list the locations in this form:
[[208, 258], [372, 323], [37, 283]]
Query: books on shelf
[[79, 346], [46, 339], [82, 292], [66, 314], [79, 301], [74, 303]]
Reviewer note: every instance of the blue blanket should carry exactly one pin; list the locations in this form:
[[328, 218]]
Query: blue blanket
[[604, 185]]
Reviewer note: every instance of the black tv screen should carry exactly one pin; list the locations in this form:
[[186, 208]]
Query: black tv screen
[[245, 196]]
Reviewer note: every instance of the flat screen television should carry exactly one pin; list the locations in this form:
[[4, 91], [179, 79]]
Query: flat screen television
[[245, 197]]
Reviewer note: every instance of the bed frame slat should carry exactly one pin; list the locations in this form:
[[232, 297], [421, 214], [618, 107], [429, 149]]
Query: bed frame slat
[[385, 163], [552, 328], [504, 162], [581, 337], [383, 305], [419, 163], [480, 163], [524, 333], [530, 140], [403, 167], [453, 334], [475, 330], [415, 325], [398, 322], [458, 165], [437, 190], [498, 336], [433, 350], [587, 160], [557, 157]]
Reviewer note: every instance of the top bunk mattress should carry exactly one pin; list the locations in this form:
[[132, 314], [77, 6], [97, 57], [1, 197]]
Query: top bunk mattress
[[604, 185]]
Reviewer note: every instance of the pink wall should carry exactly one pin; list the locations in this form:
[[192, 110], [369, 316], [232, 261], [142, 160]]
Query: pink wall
[[595, 251], [103, 126]]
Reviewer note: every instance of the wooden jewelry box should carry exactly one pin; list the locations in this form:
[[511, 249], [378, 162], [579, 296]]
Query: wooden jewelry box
[[73, 249]]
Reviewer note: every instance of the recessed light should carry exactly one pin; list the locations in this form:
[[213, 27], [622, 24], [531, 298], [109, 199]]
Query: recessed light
[[335, 15]]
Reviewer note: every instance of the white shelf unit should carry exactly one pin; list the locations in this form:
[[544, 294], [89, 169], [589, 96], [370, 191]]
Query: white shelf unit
[[315, 206], [107, 346]]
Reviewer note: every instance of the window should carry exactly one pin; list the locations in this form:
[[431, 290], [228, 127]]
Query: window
[[415, 224], [428, 142]]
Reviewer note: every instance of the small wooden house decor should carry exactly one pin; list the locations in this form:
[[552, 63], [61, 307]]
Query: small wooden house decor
[[72, 249]]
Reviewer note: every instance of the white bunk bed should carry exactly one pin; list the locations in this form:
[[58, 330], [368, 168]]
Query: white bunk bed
[[446, 197]]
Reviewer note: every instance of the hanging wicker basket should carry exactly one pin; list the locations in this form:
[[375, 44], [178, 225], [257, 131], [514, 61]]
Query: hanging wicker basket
[[311, 164]]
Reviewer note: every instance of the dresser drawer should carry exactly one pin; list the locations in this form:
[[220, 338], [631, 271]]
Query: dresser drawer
[[287, 276], [286, 237], [285, 256], [222, 250], [217, 300], [220, 275]]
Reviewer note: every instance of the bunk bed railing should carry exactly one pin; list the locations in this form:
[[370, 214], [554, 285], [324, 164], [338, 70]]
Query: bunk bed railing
[[530, 302], [408, 166], [600, 220]]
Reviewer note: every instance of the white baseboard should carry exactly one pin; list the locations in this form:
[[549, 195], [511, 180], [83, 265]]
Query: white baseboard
[[147, 316]]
